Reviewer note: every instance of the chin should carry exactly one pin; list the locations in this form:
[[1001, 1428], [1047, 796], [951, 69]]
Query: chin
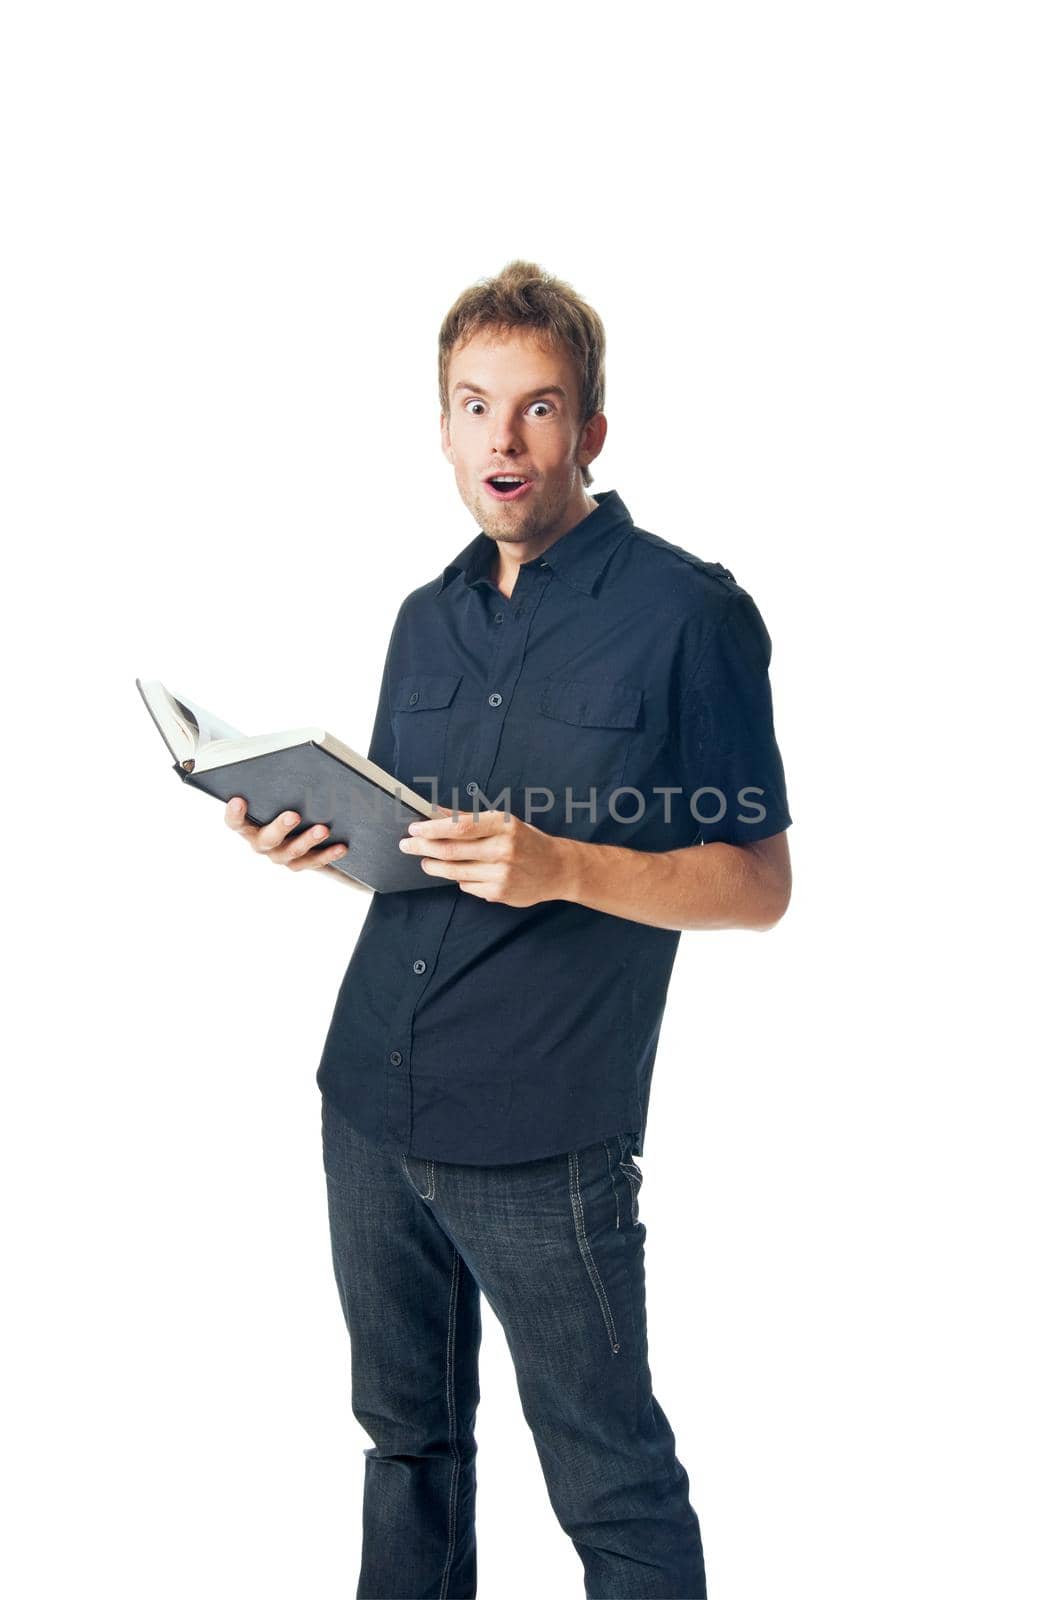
[[499, 518]]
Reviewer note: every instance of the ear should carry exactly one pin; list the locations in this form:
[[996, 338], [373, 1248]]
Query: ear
[[592, 438], [444, 437]]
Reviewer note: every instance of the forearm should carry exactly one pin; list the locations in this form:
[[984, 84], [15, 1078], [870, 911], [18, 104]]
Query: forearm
[[699, 886]]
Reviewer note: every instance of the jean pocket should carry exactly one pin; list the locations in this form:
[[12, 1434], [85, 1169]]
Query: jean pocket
[[589, 1177], [632, 1172]]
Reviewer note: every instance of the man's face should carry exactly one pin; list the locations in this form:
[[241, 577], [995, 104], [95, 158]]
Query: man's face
[[514, 411]]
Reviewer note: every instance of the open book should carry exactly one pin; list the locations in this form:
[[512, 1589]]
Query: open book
[[305, 770]]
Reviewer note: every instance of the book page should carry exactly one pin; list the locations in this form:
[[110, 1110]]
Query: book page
[[211, 727]]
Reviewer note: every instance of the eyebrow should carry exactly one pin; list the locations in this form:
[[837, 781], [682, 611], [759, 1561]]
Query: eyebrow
[[551, 388]]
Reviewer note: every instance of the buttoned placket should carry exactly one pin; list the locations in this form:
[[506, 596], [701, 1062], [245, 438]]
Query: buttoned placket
[[430, 913]]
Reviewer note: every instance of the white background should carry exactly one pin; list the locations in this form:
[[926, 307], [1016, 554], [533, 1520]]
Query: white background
[[825, 243]]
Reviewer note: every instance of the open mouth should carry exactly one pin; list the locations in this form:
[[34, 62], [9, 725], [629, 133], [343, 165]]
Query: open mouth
[[507, 486]]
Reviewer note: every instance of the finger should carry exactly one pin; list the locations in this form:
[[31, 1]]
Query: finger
[[236, 817], [468, 824], [273, 834], [311, 859], [473, 871], [482, 891], [478, 847], [291, 849]]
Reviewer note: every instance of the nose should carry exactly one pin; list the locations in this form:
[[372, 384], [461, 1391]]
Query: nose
[[505, 438]]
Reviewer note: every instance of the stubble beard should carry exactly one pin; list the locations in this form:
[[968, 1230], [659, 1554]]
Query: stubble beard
[[515, 525]]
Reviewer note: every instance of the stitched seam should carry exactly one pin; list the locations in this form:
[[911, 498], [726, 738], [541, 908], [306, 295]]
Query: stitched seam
[[452, 1426], [634, 1178], [612, 1180], [429, 1193], [585, 1249]]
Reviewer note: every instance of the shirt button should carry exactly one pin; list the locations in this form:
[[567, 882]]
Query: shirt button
[[419, 965], [471, 786], [395, 1058], [499, 616], [415, 696], [494, 699]]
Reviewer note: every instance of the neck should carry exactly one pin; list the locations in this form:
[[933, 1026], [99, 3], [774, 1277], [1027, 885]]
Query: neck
[[511, 555]]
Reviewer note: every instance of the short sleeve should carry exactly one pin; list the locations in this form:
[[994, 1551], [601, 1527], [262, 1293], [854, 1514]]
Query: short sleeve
[[726, 743], [382, 744]]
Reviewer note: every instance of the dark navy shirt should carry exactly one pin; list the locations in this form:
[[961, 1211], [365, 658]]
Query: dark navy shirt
[[621, 666]]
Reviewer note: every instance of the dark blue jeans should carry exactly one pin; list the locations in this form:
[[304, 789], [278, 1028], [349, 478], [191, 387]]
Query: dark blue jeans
[[556, 1246]]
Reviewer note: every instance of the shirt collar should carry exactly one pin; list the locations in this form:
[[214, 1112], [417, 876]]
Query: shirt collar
[[578, 556]]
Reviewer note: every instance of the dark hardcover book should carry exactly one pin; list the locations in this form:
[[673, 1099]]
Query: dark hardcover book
[[302, 769]]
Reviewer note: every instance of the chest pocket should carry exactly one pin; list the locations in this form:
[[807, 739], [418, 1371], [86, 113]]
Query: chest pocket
[[579, 740], [420, 715]]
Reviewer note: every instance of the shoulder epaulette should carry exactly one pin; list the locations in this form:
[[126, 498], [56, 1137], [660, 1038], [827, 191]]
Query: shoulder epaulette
[[715, 569]]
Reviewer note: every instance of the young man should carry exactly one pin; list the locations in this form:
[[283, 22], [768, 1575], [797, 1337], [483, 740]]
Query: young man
[[597, 700]]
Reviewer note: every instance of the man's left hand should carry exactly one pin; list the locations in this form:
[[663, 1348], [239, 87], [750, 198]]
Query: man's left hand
[[491, 854]]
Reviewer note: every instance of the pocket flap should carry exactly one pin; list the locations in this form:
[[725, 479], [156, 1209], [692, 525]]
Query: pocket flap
[[419, 691], [591, 705]]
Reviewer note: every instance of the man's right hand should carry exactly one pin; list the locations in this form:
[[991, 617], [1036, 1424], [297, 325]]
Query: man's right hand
[[271, 840]]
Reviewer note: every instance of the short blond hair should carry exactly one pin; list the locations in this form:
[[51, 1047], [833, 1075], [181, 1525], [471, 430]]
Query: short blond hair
[[523, 296]]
